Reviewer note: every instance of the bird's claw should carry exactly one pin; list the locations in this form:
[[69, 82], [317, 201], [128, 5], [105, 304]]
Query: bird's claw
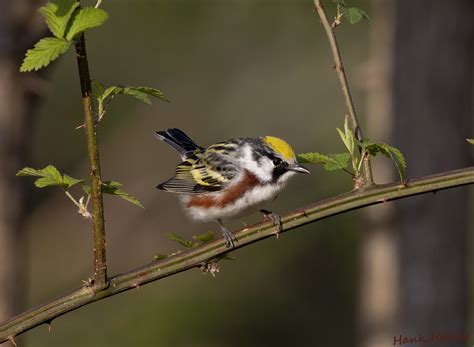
[[228, 236], [276, 220]]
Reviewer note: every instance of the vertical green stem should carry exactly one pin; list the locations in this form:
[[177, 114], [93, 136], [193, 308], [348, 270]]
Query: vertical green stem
[[100, 264], [367, 170]]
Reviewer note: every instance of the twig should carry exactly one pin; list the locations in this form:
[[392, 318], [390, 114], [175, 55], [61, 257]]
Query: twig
[[367, 170], [100, 263], [196, 257]]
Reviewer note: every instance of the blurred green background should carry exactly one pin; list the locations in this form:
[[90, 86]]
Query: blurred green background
[[231, 69]]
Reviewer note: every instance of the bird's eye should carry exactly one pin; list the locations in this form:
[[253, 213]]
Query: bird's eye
[[276, 161]]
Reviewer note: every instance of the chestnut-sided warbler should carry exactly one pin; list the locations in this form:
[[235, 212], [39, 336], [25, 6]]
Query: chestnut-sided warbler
[[229, 178]]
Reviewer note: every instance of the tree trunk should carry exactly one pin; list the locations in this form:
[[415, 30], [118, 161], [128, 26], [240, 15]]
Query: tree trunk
[[19, 28], [432, 103], [421, 101]]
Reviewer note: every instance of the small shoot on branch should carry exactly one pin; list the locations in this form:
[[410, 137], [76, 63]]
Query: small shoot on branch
[[50, 177], [471, 141], [113, 188], [352, 14], [357, 152], [104, 96]]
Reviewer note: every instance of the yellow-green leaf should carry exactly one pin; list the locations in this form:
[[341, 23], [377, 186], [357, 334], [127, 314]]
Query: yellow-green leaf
[[86, 18], [57, 15], [44, 52]]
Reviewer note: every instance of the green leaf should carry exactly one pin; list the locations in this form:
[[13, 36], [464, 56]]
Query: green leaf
[[390, 152], [205, 237], [471, 141], [87, 189], [113, 188], [140, 93], [331, 162], [86, 18], [57, 14], [49, 176], [44, 52], [338, 161], [69, 181], [397, 157], [151, 92], [313, 158], [355, 15], [99, 89], [28, 171], [182, 241]]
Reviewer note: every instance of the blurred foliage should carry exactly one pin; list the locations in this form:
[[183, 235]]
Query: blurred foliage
[[230, 68]]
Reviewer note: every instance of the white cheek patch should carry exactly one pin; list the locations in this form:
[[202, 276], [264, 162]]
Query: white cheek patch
[[262, 169]]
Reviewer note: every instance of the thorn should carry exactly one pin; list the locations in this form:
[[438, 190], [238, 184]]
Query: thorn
[[136, 285], [49, 325], [12, 340], [89, 282]]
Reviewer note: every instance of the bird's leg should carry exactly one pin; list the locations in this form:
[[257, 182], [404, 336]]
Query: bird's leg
[[228, 236], [276, 220]]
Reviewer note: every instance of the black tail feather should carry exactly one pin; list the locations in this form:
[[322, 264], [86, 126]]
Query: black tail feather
[[179, 141]]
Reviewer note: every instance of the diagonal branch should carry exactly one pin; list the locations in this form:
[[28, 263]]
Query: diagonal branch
[[367, 170], [100, 264], [201, 255]]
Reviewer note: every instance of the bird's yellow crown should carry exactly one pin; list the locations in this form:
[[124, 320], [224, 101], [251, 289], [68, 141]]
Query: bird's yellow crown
[[280, 146]]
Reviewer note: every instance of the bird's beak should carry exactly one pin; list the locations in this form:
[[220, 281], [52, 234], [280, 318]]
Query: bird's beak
[[299, 168]]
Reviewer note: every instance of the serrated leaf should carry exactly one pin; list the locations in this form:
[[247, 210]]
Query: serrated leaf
[[205, 237], [313, 158], [50, 176], [369, 146], [331, 162], [44, 52], [390, 152], [151, 92], [28, 171], [397, 157], [471, 141], [182, 241], [140, 93], [355, 15], [86, 18], [137, 94], [113, 188], [57, 14], [71, 181], [338, 161]]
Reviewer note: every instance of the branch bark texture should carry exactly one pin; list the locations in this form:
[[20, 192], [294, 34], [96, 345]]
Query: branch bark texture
[[100, 262], [202, 255], [339, 67]]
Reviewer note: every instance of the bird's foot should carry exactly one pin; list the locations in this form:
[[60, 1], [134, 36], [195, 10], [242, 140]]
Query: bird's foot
[[228, 236], [276, 220]]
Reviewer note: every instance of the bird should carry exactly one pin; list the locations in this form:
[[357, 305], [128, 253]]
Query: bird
[[229, 179]]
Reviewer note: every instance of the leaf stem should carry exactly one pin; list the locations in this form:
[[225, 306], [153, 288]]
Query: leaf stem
[[199, 256], [72, 199], [100, 262], [339, 67]]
